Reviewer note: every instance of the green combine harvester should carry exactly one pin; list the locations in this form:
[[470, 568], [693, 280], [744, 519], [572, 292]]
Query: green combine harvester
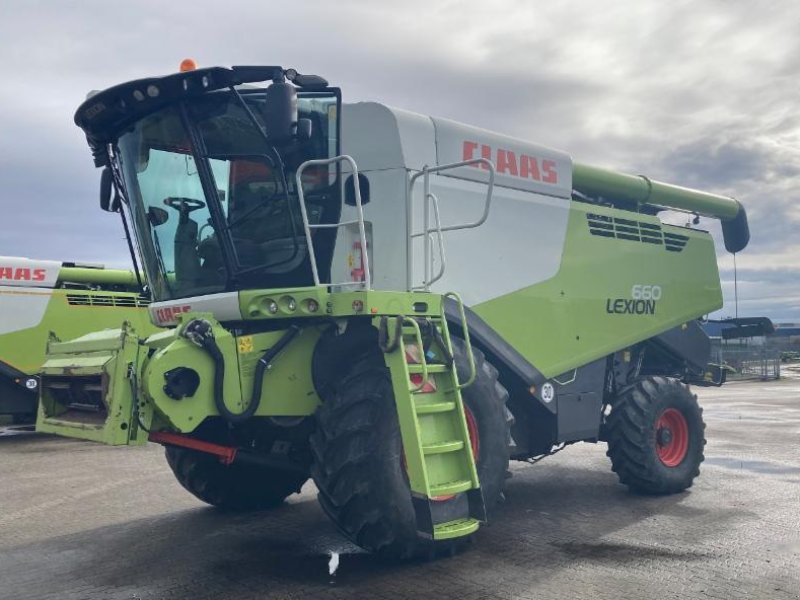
[[392, 304], [44, 299]]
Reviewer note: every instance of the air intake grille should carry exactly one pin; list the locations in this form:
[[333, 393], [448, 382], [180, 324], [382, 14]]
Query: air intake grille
[[107, 300], [675, 242], [634, 231]]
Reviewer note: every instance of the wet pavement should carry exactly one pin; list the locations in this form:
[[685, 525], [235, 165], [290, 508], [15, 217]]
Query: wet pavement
[[83, 521]]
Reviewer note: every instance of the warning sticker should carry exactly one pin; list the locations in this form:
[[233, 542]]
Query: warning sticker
[[245, 344]]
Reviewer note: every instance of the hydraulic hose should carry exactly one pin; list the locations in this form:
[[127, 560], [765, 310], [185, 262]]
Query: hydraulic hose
[[200, 332], [265, 361]]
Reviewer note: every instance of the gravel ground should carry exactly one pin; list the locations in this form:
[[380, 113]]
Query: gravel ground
[[83, 521]]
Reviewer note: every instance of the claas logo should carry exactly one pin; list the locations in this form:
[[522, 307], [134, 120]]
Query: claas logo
[[510, 163], [169, 313], [22, 274]]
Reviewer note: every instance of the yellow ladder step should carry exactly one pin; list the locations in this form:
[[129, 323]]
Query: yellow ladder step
[[415, 368], [435, 407], [450, 488], [440, 447], [454, 529]]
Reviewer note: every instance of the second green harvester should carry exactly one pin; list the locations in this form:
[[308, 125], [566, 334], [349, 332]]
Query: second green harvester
[[40, 299], [392, 304]]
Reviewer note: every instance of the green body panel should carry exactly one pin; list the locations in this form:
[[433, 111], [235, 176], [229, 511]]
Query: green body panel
[[186, 414], [564, 322], [287, 391], [254, 303], [108, 360], [288, 388], [69, 314]]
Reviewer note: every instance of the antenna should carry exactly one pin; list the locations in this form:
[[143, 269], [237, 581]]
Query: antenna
[[735, 286]]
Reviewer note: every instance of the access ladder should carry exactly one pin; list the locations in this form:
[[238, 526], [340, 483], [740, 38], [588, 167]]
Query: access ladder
[[438, 453]]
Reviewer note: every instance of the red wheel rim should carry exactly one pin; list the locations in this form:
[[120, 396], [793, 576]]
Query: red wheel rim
[[474, 442], [672, 437], [474, 435]]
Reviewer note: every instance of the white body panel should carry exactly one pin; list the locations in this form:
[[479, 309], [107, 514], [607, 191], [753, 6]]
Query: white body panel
[[519, 245], [21, 308], [224, 306], [24, 292], [25, 272], [518, 164]]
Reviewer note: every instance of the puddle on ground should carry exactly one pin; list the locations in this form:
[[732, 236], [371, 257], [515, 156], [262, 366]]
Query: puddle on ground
[[618, 551], [754, 466], [299, 562], [739, 415], [13, 430], [333, 563]]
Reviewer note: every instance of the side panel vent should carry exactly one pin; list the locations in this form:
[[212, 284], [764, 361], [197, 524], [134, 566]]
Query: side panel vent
[[634, 231], [675, 242], [107, 300]]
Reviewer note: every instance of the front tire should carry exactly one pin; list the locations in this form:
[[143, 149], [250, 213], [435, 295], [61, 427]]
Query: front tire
[[239, 487], [358, 456], [655, 434], [231, 487]]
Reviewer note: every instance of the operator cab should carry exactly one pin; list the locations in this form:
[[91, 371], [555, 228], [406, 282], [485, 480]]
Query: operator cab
[[205, 165]]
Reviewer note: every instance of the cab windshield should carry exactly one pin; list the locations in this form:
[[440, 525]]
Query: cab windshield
[[215, 205]]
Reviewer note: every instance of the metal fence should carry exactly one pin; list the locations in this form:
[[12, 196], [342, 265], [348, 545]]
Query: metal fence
[[749, 362]]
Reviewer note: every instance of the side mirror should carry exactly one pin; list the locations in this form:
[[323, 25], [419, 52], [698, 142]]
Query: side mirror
[[350, 190], [157, 216], [110, 199], [280, 111], [106, 185]]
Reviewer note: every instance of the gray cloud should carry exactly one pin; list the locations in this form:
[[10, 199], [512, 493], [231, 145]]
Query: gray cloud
[[699, 93]]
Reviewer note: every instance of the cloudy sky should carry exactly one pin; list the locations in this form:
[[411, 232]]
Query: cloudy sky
[[701, 93]]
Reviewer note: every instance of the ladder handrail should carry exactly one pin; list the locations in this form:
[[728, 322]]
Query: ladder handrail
[[421, 346], [434, 278], [440, 243], [307, 227], [473, 371], [426, 229]]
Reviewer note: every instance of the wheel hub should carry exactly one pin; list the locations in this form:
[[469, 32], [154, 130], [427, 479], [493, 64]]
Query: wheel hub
[[672, 437], [664, 436]]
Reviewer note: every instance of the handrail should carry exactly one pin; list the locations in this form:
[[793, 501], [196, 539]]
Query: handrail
[[421, 346], [473, 371], [440, 243], [367, 283], [466, 163], [435, 201], [426, 229]]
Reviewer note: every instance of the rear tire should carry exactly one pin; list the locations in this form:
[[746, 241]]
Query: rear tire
[[358, 457], [655, 434]]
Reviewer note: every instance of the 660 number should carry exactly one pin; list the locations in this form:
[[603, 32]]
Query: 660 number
[[646, 292]]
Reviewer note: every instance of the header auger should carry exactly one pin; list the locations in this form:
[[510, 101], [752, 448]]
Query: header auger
[[392, 304]]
